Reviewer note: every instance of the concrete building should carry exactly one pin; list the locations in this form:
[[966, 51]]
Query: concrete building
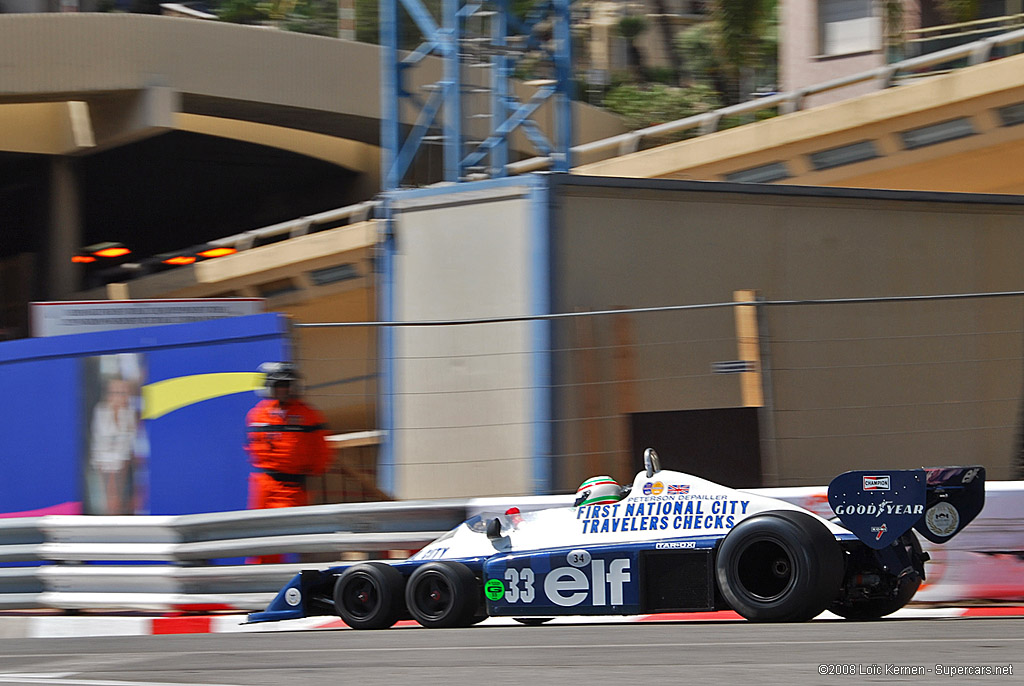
[[510, 407]]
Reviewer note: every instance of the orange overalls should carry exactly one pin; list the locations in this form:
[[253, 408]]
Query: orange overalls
[[286, 443]]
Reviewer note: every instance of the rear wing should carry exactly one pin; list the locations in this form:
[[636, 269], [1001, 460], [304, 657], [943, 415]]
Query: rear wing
[[880, 506]]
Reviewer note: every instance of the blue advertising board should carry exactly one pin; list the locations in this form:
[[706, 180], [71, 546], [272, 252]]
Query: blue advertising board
[[137, 421]]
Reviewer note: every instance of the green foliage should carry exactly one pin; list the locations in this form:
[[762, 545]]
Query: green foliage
[[697, 46], [660, 75], [409, 36], [736, 52], [959, 10], [631, 26], [644, 106], [243, 11], [741, 27], [317, 17], [367, 24]]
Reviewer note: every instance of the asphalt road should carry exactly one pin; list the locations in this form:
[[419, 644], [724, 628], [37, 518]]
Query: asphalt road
[[689, 653]]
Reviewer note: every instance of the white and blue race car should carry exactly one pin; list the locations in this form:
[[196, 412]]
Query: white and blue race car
[[674, 543]]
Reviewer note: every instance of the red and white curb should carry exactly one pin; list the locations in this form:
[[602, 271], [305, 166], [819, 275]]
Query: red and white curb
[[25, 626]]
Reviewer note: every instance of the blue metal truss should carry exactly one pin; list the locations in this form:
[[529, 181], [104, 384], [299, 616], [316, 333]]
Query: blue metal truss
[[442, 110]]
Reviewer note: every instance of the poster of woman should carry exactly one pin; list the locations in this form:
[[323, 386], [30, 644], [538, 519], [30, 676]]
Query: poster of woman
[[117, 450]]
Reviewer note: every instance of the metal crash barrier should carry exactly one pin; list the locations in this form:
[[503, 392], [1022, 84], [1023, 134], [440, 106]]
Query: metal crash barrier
[[191, 562]]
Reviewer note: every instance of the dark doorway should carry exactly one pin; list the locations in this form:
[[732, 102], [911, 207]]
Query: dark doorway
[[721, 445]]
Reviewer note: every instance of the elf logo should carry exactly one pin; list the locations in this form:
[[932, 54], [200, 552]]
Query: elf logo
[[603, 579], [876, 483]]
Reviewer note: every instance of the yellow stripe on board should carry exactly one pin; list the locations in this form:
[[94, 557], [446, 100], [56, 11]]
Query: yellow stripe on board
[[169, 395]]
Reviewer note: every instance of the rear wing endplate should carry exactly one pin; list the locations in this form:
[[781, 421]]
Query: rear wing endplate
[[880, 506]]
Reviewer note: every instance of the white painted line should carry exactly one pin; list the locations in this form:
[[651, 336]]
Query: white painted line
[[61, 680], [66, 627]]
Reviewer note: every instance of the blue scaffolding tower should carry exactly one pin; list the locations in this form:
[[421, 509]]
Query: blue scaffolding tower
[[543, 33]]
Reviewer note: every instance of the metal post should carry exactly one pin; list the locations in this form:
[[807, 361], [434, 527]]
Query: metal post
[[563, 74], [390, 87], [501, 73], [508, 114], [451, 35]]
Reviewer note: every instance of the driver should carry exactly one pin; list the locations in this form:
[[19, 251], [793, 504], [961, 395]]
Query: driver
[[599, 490]]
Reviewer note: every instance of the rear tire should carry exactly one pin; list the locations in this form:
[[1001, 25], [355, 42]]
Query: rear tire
[[780, 566], [369, 595], [441, 595]]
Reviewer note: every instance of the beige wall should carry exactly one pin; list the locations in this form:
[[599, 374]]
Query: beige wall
[[463, 403], [897, 385]]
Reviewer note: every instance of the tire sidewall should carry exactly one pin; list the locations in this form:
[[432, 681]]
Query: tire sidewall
[[463, 595], [387, 583], [815, 561]]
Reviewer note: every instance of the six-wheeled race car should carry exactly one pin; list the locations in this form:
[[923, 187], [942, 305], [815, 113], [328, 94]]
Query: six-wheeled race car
[[673, 543]]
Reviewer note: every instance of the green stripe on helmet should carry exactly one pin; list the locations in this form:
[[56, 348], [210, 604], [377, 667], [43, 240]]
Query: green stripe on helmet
[[600, 500]]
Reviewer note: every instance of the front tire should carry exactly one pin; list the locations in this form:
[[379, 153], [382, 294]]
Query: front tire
[[443, 595], [780, 566], [369, 596]]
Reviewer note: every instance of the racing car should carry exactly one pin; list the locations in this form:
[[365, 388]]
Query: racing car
[[674, 543]]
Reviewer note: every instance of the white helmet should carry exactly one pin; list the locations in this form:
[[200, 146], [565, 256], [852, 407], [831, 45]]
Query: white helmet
[[277, 373], [598, 490]]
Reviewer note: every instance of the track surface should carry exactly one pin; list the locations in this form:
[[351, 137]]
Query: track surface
[[690, 653]]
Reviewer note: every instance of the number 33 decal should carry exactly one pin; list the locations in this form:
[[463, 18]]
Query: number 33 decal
[[514, 594]]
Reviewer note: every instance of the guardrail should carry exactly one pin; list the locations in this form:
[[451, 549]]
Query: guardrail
[[183, 563], [183, 552]]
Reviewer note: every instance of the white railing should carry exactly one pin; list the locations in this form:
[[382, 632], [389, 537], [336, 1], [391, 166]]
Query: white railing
[[294, 228]]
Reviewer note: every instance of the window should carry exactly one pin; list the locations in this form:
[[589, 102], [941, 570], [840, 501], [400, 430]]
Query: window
[[848, 26], [846, 154], [776, 171], [937, 133]]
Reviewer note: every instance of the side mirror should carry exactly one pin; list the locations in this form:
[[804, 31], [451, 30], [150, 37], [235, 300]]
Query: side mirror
[[651, 462]]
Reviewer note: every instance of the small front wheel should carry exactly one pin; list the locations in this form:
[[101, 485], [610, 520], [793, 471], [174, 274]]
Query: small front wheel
[[369, 595], [443, 594]]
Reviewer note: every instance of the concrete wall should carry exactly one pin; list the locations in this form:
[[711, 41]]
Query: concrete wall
[[897, 385], [464, 396]]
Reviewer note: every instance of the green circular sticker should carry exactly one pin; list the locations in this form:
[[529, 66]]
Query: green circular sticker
[[494, 589]]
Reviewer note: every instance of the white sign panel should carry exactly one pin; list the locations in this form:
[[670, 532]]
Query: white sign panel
[[60, 318]]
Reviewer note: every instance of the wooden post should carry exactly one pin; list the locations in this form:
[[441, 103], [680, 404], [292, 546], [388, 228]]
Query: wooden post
[[749, 348]]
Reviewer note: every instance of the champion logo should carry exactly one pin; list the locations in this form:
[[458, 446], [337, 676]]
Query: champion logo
[[880, 530], [876, 483]]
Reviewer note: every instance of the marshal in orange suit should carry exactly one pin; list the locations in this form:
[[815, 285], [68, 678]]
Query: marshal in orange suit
[[286, 441]]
